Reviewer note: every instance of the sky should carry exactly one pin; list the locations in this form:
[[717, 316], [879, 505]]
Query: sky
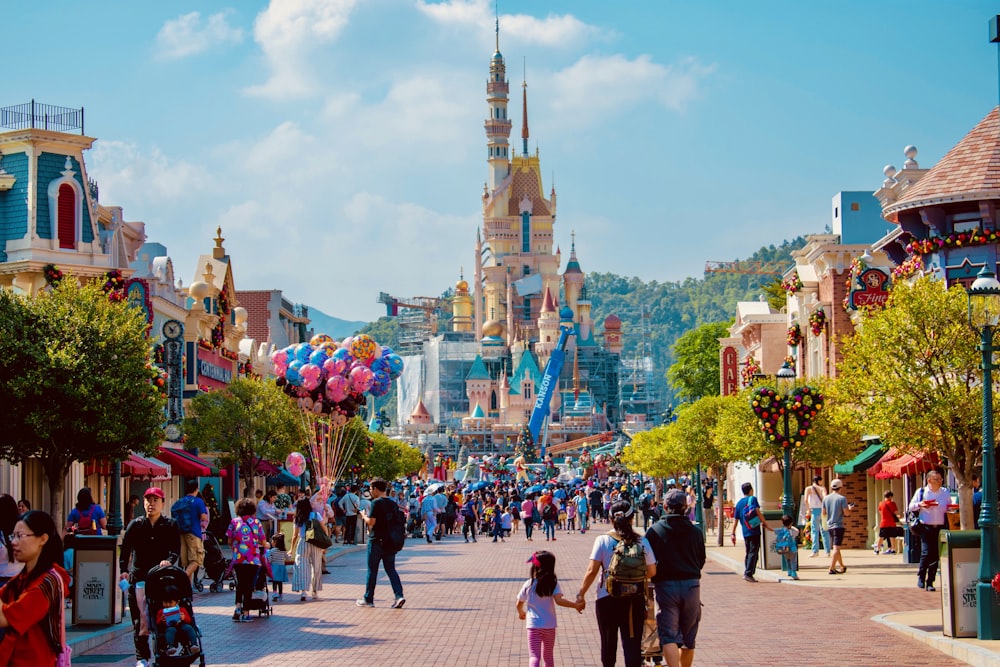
[[339, 144]]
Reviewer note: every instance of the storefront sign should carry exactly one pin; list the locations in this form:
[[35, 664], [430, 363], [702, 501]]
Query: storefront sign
[[869, 289], [214, 370], [173, 355], [729, 369]]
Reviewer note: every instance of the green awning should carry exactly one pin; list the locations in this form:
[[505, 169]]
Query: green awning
[[862, 461]]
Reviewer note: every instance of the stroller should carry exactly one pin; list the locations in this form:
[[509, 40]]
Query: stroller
[[157, 581], [261, 600], [216, 567], [652, 653]]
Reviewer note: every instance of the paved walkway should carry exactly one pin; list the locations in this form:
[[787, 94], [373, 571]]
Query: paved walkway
[[460, 611]]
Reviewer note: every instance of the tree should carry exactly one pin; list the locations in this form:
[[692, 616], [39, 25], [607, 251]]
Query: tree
[[248, 421], [76, 381], [912, 372], [695, 371], [388, 458]]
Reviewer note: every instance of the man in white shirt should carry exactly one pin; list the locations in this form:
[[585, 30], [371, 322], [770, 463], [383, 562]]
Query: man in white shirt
[[814, 495], [932, 503], [350, 503]]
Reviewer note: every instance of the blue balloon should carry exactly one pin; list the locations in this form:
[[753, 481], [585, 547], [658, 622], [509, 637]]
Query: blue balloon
[[318, 357], [292, 374], [380, 365], [342, 353], [395, 363], [386, 351], [303, 352]]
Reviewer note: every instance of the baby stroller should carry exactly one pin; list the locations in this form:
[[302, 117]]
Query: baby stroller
[[261, 600], [414, 525], [157, 581], [216, 567], [652, 653]]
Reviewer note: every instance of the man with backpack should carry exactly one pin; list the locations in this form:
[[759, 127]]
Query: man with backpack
[[749, 517], [679, 548], [350, 503], [387, 537], [645, 504], [190, 514]]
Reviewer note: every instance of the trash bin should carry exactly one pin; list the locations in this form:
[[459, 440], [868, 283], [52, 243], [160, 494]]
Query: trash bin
[[959, 576], [771, 559], [96, 594], [911, 551]]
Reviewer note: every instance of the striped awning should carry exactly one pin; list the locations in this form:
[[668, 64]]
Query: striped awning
[[136, 466], [908, 464]]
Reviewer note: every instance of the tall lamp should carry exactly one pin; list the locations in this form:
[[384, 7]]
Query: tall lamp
[[785, 380], [984, 314]]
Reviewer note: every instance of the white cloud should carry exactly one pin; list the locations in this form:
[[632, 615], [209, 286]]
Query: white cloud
[[553, 30], [122, 169], [595, 87], [288, 31], [188, 35]]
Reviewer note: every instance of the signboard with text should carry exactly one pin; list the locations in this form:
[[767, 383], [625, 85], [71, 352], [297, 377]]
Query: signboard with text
[[729, 371], [869, 289], [214, 370]]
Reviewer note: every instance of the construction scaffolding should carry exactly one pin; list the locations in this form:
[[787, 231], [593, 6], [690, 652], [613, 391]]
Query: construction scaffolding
[[417, 317]]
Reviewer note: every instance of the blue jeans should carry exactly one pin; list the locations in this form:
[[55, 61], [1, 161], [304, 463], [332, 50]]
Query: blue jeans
[[388, 560], [752, 544], [550, 528], [170, 634], [817, 526]]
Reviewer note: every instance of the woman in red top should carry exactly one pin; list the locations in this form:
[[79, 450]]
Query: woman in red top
[[888, 517], [31, 604]]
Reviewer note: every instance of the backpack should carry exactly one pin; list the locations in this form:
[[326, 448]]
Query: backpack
[[180, 512], [338, 511], [86, 525], [394, 535], [549, 512], [469, 509], [626, 575], [750, 518], [644, 502], [783, 541]]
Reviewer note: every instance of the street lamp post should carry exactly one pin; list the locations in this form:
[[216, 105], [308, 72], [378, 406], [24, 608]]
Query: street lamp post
[[984, 314], [785, 379]]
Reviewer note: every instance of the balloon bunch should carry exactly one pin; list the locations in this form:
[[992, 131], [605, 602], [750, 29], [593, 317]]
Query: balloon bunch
[[333, 378]]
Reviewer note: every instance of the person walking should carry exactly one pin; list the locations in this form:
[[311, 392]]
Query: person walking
[[617, 615], [888, 524], [470, 517], [307, 574], [679, 549], [190, 526], [815, 493], [931, 501], [835, 506], [149, 541], [383, 509], [528, 511], [750, 519], [246, 538], [536, 604], [429, 512], [350, 503]]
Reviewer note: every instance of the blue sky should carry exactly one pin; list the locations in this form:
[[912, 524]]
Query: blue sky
[[340, 143]]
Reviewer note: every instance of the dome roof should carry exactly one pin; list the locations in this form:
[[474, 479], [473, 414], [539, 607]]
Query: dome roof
[[566, 313], [493, 328], [462, 286], [612, 321]]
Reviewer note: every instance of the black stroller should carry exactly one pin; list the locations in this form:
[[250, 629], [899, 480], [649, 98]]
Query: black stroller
[[261, 600], [216, 567], [157, 581]]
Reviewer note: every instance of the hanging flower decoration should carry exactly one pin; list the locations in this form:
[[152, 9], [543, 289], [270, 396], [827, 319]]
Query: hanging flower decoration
[[52, 274], [790, 360], [751, 367], [114, 285], [954, 240], [995, 583], [817, 322], [218, 333], [908, 268], [792, 283], [794, 335], [771, 409]]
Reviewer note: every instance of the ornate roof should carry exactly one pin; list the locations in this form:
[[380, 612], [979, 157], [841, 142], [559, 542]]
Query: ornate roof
[[478, 370], [969, 172]]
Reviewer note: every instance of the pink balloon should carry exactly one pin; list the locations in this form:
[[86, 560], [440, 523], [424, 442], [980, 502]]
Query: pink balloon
[[346, 343], [336, 388], [361, 379], [295, 464], [333, 367], [311, 374], [280, 361]]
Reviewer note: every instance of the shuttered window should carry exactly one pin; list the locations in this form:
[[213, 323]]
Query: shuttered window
[[67, 217]]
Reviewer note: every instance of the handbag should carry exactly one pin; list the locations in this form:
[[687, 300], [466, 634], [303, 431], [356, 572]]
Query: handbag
[[913, 516], [316, 536], [750, 516]]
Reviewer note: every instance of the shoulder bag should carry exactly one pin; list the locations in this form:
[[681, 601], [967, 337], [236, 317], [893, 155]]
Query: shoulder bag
[[913, 516], [316, 536]]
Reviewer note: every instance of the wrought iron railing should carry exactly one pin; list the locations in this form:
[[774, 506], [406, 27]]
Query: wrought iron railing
[[41, 116]]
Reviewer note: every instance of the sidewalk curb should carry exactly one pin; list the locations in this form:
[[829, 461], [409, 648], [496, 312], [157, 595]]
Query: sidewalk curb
[[91, 640], [955, 648]]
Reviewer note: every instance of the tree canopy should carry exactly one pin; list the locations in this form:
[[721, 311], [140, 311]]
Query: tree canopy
[[695, 371], [76, 381]]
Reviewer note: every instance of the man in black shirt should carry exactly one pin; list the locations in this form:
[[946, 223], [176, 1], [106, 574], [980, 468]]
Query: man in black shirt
[[679, 547], [148, 542], [382, 509]]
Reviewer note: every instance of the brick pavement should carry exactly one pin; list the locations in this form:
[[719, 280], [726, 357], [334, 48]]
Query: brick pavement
[[460, 611]]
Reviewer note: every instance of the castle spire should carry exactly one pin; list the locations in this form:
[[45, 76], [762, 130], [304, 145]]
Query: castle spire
[[497, 125], [524, 125]]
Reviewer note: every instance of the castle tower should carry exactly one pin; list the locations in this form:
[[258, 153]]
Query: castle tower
[[548, 328], [497, 125], [461, 307], [613, 334], [573, 280]]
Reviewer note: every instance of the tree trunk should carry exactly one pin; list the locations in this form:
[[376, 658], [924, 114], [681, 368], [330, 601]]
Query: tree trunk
[[56, 472], [720, 475]]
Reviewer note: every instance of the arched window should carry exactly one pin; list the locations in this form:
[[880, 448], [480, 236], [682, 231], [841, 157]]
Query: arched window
[[493, 400], [66, 217]]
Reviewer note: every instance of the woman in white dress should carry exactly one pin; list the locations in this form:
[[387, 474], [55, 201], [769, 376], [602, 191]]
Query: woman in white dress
[[307, 575]]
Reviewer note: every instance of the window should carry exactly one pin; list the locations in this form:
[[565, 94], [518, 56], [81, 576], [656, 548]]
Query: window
[[966, 222], [527, 390], [66, 217], [855, 206], [525, 232], [493, 401], [527, 308]]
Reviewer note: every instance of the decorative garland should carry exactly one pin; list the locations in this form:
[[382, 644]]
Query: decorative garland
[[794, 335], [817, 322], [790, 360], [52, 274], [802, 406], [954, 240], [114, 285], [205, 345], [751, 367], [908, 268], [792, 283], [226, 353]]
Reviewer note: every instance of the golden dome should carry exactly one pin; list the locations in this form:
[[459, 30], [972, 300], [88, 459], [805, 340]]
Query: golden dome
[[462, 286], [493, 328]]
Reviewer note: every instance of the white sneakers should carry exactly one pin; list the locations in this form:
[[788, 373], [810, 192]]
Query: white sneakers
[[398, 603]]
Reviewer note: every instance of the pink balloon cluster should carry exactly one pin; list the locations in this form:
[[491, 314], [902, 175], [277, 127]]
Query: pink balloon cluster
[[337, 375]]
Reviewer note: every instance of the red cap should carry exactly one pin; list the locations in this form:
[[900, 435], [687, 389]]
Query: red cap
[[155, 491]]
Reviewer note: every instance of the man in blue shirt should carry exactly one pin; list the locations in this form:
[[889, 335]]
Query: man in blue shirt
[[746, 514]]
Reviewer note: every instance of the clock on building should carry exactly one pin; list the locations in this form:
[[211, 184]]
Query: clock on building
[[173, 432], [173, 329]]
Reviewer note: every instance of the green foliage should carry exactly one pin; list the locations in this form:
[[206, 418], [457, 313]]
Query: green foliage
[[75, 380], [775, 293], [695, 372], [388, 458], [675, 308], [912, 373], [247, 421]]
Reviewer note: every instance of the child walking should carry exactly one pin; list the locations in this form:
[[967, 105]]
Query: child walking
[[786, 535], [536, 603], [278, 558]]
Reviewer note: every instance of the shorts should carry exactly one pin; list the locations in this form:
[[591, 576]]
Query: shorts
[[340, 521], [836, 536], [679, 605], [890, 532], [192, 550]]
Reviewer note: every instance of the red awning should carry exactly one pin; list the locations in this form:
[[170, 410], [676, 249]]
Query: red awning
[[908, 464], [267, 468], [876, 468], [133, 466], [185, 463]]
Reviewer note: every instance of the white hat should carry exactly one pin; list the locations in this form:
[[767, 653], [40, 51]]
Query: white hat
[[836, 484]]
